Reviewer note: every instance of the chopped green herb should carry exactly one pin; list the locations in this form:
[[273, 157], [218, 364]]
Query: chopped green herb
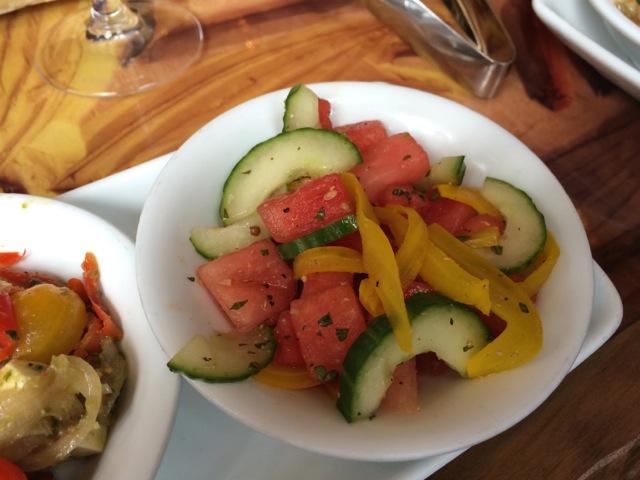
[[342, 333], [255, 366], [497, 249], [321, 215], [323, 375], [12, 334], [325, 320], [264, 252], [524, 308], [191, 279], [401, 192], [238, 305]]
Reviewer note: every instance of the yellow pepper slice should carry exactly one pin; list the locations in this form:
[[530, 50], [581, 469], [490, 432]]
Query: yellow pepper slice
[[485, 238], [327, 259], [545, 263], [289, 378], [451, 280], [411, 237], [380, 263], [470, 196], [369, 298], [522, 338], [432, 264]]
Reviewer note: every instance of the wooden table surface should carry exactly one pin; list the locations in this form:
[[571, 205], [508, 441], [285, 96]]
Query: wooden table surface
[[51, 142]]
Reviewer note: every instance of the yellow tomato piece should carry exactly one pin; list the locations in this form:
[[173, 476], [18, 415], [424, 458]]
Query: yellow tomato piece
[[289, 378], [327, 259], [522, 338], [50, 321], [470, 196], [380, 263]]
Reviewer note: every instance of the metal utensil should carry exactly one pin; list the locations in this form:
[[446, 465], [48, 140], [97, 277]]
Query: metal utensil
[[467, 39]]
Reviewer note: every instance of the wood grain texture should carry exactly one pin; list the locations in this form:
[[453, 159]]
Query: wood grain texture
[[51, 142], [70, 141], [579, 433]]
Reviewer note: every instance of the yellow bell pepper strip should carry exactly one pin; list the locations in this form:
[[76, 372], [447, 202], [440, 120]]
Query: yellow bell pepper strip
[[433, 266], [451, 280], [544, 266], [380, 263], [485, 238], [470, 196], [522, 338], [288, 378], [394, 221], [369, 298], [327, 259], [413, 236]]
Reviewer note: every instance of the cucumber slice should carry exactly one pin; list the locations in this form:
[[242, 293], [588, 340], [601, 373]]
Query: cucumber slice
[[447, 170], [301, 109], [275, 162], [225, 357], [525, 233], [450, 329], [327, 234], [212, 242]]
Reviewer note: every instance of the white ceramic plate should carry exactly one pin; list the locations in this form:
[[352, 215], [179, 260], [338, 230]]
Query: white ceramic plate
[[56, 236], [621, 28], [206, 440], [577, 24], [455, 413]]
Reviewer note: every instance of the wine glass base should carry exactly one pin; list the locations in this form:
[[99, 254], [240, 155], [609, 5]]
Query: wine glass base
[[123, 64]]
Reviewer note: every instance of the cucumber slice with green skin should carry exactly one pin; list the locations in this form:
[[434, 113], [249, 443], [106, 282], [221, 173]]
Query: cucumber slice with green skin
[[327, 234], [225, 357], [452, 330], [306, 152], [525, 233], [447, 170], [301, 109], [212, 242]]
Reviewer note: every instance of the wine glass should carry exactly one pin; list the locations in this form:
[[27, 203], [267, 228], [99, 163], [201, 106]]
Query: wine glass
[[119, 48]]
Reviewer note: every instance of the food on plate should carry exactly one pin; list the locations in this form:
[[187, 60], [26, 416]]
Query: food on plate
[[61, 367], [631, 8], [349, 259]]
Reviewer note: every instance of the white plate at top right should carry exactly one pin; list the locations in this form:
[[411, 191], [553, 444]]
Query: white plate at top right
[[578, 25]]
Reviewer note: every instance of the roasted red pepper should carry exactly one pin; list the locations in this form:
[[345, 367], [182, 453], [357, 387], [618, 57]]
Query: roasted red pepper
[[8, 326], [10, 258]]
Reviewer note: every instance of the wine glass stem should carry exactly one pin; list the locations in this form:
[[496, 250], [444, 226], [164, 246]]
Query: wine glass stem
[[112, 18]]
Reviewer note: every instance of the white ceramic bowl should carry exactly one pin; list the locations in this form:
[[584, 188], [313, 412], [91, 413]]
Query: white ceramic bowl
[[56, 236], [456, 413], [623, 30]]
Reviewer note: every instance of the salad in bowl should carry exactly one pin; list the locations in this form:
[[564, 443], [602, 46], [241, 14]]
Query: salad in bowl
[[362, 264], [81, 378]]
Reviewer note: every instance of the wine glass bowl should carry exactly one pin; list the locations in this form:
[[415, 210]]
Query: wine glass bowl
[[119, 48]]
